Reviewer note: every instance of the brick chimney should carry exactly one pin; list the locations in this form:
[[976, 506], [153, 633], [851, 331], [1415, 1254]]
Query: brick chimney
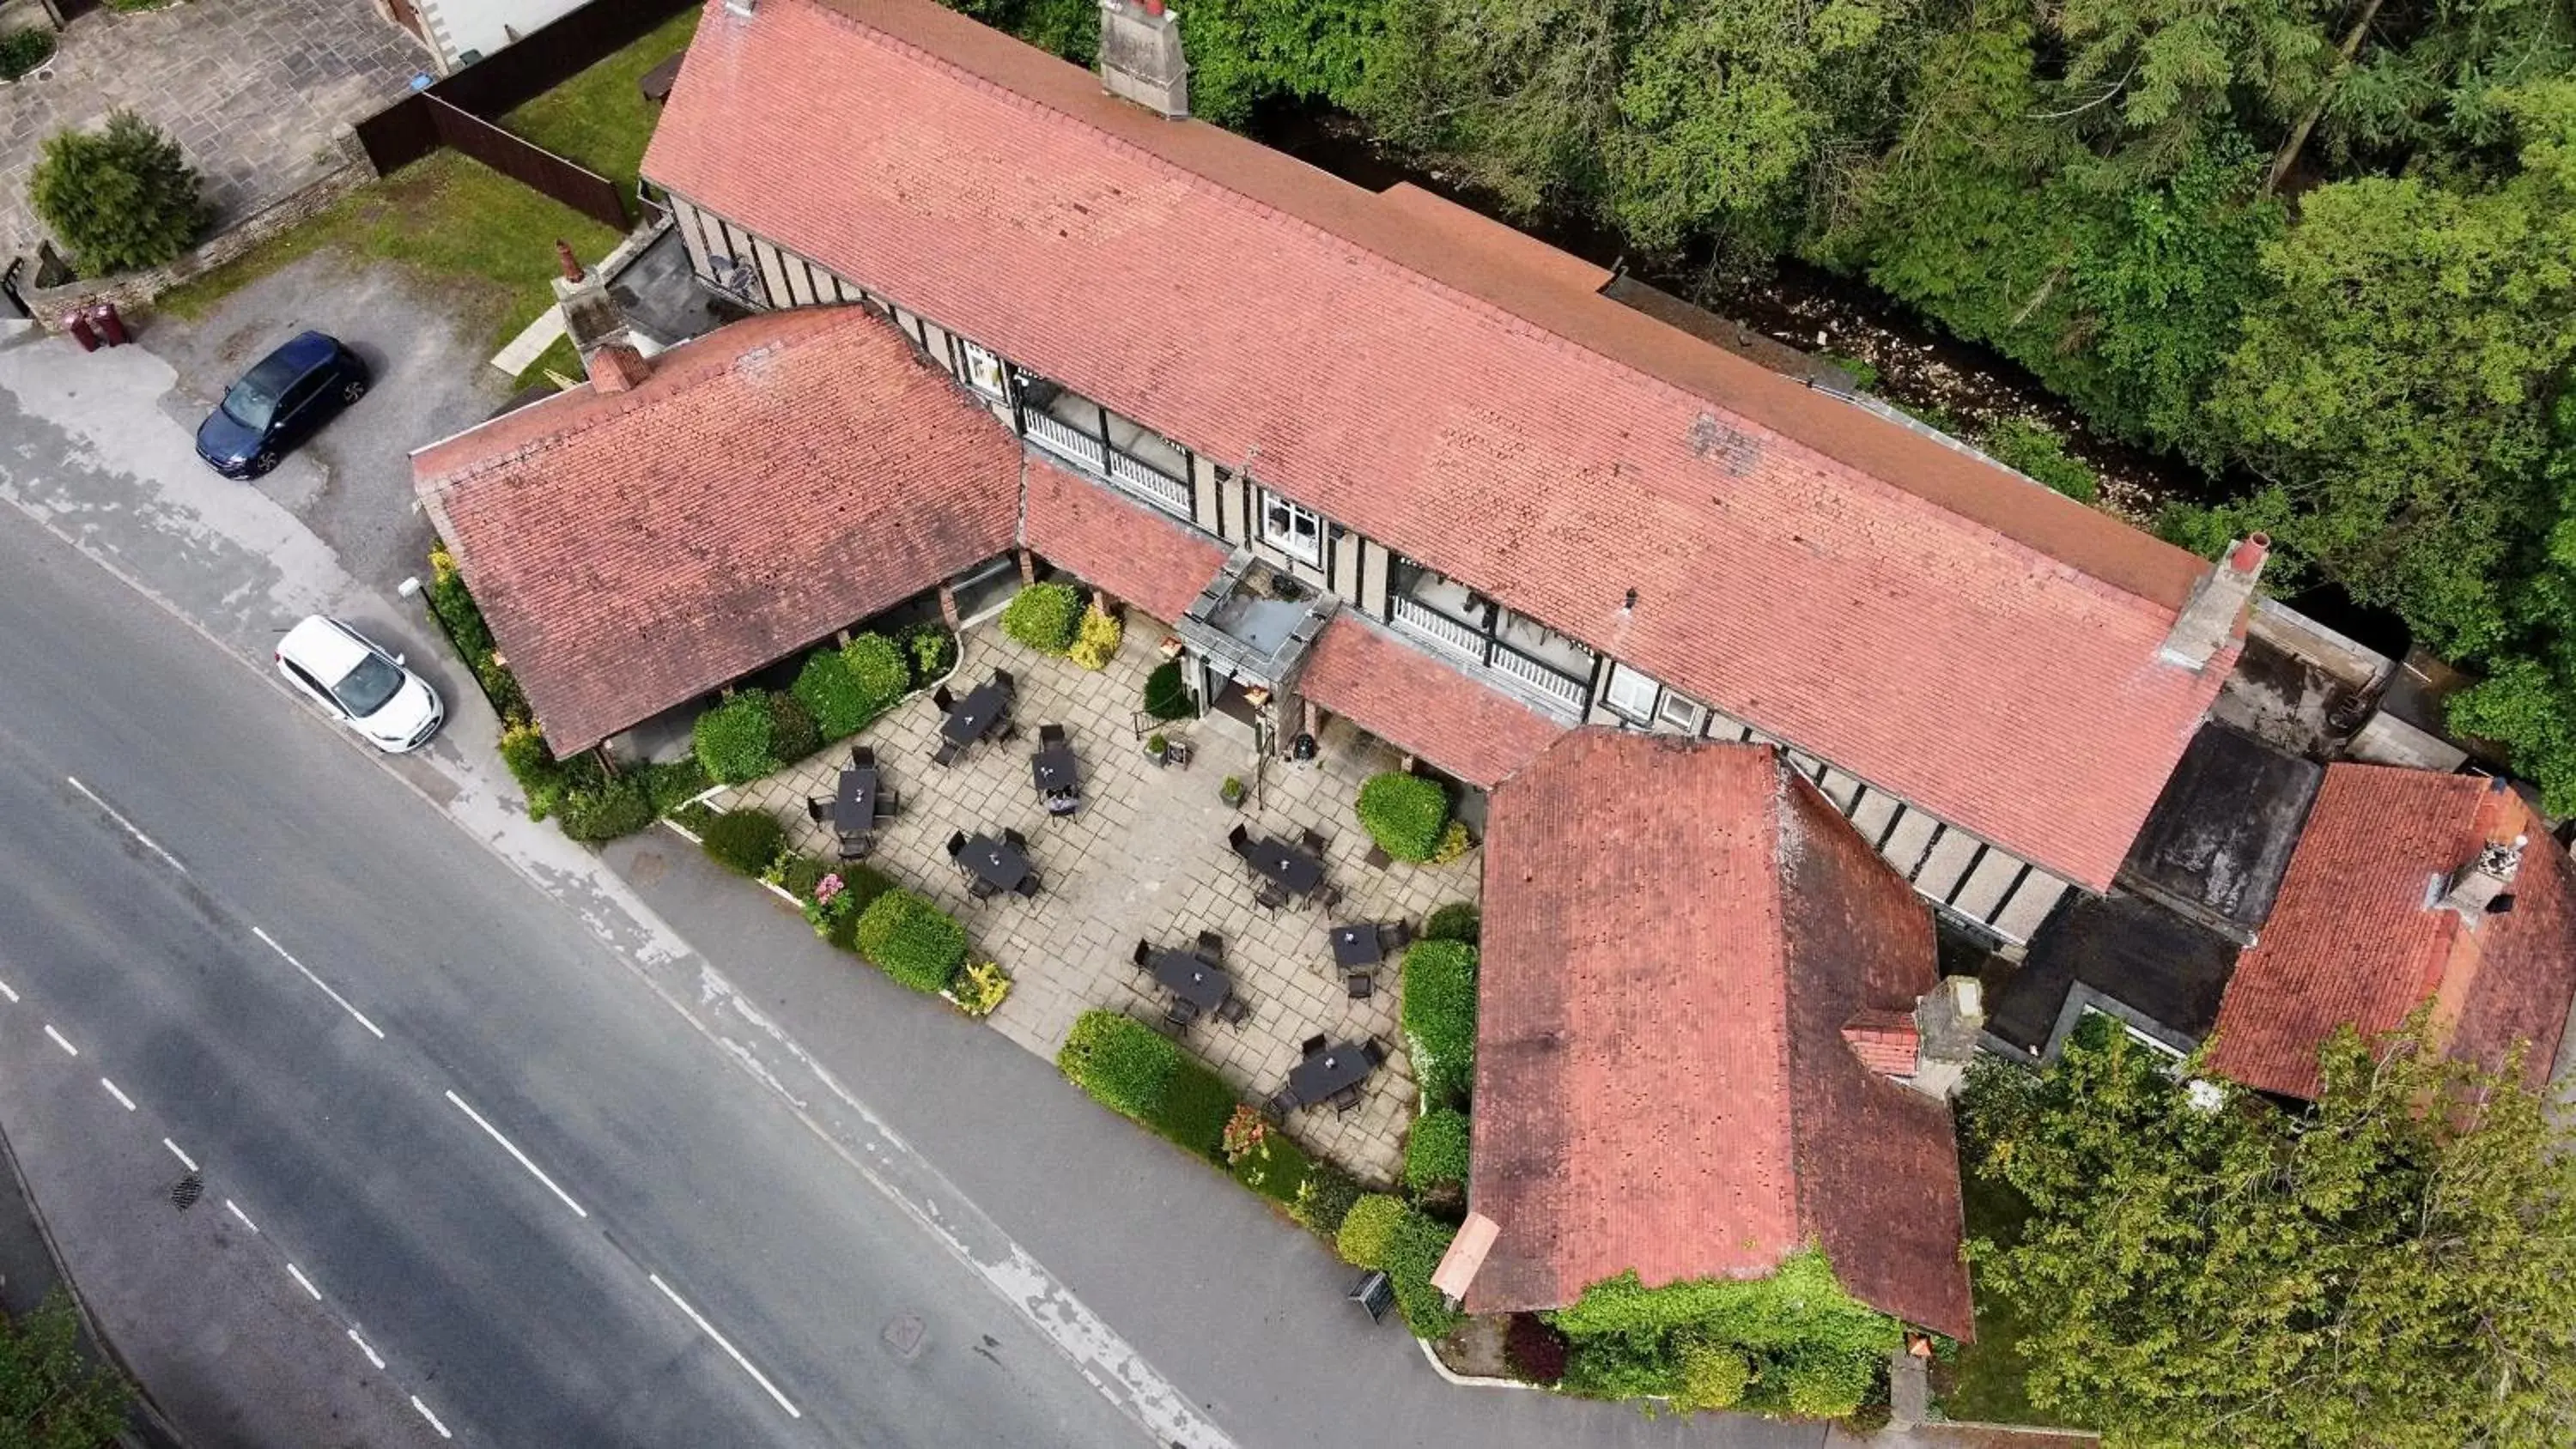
[[1140, 56], [2208, 617], [616, 367], [2484, 886]]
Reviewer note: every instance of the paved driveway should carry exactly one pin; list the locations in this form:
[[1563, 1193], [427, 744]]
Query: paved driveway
[[252, 89]]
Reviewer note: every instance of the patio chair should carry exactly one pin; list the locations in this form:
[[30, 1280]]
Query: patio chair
[[1373, 1052], [1346, 1101], [1362, 984], [1269, 897], [862, 757], [1328, 896], [1005, 731], [1015, 838], [1181, 1012], [889, 804], [1050, 734], [947, 752], [1211, 948], [1028, 887], [1394, 936], [1144, 954], [1310, 1046], [941, 697], [821, 810], [1064, 802], [1313, 840], [1281, 1103], [859, 846], [1239, 839], [981, 889], [1009, 685], [1234, 1011], [956, 844]]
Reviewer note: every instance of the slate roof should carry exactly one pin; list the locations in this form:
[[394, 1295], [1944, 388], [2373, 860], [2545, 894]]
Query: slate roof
[[1952, 633], [768, 484], [2353, 936], [1676, 935]]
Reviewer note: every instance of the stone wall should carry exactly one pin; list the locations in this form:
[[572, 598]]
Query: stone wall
[[133, 289]]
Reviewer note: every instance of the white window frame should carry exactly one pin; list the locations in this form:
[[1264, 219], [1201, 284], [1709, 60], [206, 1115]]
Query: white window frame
[[1621, 674], [984, 371], [1300, 520], [1689, 716]]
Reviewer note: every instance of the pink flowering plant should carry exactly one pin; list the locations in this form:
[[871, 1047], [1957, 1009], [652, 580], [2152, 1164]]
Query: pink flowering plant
[[829, 906], [1244, 1133]]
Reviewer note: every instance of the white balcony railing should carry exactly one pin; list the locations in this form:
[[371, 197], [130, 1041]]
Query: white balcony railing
[[1433, 627], [1078, 448], [1539, 677], [1150, 483], [1518, 674]]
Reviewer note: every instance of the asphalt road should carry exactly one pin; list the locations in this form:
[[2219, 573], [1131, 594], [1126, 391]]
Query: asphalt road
[[302, 979]]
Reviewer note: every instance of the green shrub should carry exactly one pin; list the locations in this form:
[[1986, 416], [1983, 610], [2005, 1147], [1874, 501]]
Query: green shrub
[[831, 695], [1827, 1385], [1440, 1019], [1456, 921], [1404, 814], [693, 816], [23, 50], [525, 754], [1120, 1061], [2039, 450], [607, 810], [122, 197], [1166, 698], [1367, 1236], [1623, 1366], [792, 731], [672, 783], [1096, 641], [733, 739], [932, 650], [1324, 1199], [1810, 1348], [1712, 1377], [455, 607], [1454, 844], [1193, 1108], [1042, 616], [912, 940], [878, 669], [799, 874], [1435, 1155], [1420, 1243], [744, 841]]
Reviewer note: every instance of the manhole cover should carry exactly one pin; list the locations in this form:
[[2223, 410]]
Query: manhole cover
[[904, 1337], [185, 1195]]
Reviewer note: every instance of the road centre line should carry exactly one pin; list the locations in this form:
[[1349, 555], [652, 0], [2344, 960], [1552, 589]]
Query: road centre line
[[234, 1208], [5, 991], [303, 1282], [113, 814], [432, 1418], [709, 1330], [513, 1149], [185, 1160], [122, 1100], [372, 1356], [59, 1041], [318, 981]]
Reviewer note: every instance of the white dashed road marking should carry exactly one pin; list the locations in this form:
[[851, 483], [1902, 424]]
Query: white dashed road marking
[[303, 1282], [512, 1148], [146, 841], [709, 1330], [234, 1208], [185, 1160], [5, 991], [58, 1039], [318, 981], [371, 1354], [122, 1100], [432, 1418]]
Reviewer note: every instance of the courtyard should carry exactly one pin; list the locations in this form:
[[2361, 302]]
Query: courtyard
[[1146, 858]]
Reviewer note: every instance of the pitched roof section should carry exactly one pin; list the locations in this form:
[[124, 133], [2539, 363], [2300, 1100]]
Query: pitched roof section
[[1133, 552], [768, 484], [1952, 633], [1421, 704], [2355, 937], [1676, 935]]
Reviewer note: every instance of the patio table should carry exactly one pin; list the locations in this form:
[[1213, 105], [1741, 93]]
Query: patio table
[[997, 862], [1191, 979], [1295, 870], [976, 714], [1328, 1071], [854, 808], [1356, 946], [1053, 769]]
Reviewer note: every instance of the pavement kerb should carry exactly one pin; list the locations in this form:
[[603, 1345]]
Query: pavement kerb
[[1471, 1381]]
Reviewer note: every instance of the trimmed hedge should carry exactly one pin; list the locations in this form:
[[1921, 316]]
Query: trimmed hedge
[[911, 939], [1456, 921], [732, 739], [1166, 698], [672, 783], [1440, 1019], [1404, 814], [829, 693], [744, 841], [932, 651], [878, 670], [1435, 1153], [1096, 641], [1714, 1377], [1367, 1236], [613, 808], [1043, 617], [1385, 1232], [1134, 1071], [1324, 1199], [454, 605], [792, 732], [1809, 1347]]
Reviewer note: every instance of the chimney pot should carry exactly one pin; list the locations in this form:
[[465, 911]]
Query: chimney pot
[[570, 263], [617, 367], [2249, 555]]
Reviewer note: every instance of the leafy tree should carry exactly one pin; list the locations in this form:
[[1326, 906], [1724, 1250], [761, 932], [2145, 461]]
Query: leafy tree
[[50, 1396], [2385, 1270], [1243, 50], [121, 197], [2171, 71]]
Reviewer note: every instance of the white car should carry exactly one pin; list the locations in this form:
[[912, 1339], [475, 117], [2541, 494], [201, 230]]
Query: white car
[[364, 686]]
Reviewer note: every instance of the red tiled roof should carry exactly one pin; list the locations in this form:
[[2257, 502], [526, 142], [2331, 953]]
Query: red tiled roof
[[768, 484], [1133, 552], [1420, 704], [1675, 935], [1957, 636], [2353, 938]]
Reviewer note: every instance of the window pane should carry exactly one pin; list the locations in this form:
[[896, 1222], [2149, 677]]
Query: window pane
[[1631, 693], [1680, 712]]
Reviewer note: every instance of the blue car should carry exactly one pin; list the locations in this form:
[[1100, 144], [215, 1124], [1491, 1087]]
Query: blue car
[[280, 403]]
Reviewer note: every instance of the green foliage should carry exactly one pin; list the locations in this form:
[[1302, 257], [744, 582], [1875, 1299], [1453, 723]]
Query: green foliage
[[2197, 1278], [1420, 1241], [606, 810], [1825, 1385], [1435, 1155], [1367, 1237], [831, 695], [24, 49], [1243, 50], [1042, 616], [792, 732], [669, 783], [1277, 1169], [531, 762], [932, 651], [1440, 1019], [51, 1396], [879, 671], [1324, 1199], [910, 939], [1165, 696], [1456, 921], [1455, 842], [1404, 814], [2040, 451], [121, 197], [463, 619], [733, 739], [1801, 1307], [744, 841], [1714, 1376], [1120, 1061], [1095, 642]]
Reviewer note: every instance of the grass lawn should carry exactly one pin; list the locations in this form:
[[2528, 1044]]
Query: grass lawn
[[488, 239], [1983, 1384], [598, 117]]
